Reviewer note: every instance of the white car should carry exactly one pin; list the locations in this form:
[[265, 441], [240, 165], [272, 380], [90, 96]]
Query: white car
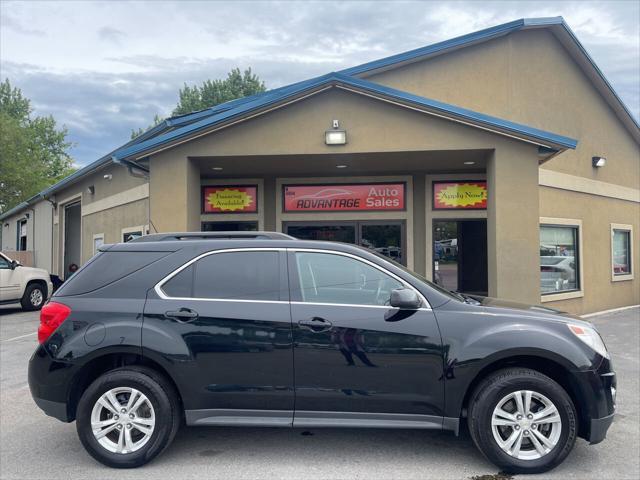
[[31, 287]]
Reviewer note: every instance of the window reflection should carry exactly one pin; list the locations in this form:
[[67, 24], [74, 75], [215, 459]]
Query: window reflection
[[558, 259]]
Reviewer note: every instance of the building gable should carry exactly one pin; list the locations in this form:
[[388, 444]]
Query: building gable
[[530, 77]]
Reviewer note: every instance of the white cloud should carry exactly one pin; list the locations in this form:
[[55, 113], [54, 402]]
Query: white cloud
[[104, 68]]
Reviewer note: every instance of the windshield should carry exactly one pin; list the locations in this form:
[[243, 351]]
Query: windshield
[[417, 276]]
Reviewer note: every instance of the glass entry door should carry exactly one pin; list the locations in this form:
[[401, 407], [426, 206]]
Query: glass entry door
[[460, 255], [385, 237]]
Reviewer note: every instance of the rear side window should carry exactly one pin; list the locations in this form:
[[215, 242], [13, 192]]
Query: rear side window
[[229, 276], [106, 268], [181, 285]]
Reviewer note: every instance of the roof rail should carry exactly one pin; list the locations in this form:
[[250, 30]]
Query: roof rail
[[177, 236]]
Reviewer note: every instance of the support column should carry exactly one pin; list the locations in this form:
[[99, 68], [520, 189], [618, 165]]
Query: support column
[[419, 226], [513, 223], [174, 194], [270, 204]]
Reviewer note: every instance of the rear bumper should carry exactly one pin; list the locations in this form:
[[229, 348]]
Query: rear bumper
[[49, 384]]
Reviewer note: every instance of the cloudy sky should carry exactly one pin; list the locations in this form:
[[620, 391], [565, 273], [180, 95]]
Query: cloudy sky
[[104, 68]]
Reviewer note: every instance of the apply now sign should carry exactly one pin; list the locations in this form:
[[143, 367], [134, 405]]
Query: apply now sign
[[460, 195], [343, 198]]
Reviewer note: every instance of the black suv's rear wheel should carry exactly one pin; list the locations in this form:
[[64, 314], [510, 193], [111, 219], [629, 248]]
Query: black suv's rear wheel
[[522, 421], [127, 417]]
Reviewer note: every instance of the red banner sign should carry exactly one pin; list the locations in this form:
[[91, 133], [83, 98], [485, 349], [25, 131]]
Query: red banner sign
[[230, 199], [460, 195], [344, 198]]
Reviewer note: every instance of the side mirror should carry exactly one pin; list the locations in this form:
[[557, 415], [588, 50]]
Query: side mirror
[[13, 265], [405, 299]]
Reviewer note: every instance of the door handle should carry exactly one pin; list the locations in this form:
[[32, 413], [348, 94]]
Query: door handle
[[183, 315], [316, 324]]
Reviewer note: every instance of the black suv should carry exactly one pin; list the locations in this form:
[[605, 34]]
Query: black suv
[[261, 329]]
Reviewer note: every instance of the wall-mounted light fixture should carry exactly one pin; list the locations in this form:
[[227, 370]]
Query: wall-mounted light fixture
[[598, 162], [108, 177], [91, 189], [335, 136], [6, 225], [27, 215]]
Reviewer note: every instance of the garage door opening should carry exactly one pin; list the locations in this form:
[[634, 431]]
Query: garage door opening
[[72, 232]]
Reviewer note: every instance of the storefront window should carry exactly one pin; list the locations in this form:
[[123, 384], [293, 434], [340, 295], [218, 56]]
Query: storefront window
[[229, 226], [621, 252], [559, 269]]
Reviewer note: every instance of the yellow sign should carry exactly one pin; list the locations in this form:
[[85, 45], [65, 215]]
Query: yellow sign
[[451, 195], [230, 200]]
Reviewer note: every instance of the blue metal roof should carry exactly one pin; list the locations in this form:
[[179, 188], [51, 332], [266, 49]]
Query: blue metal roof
[[459, 113], [273, 97], [483, 36], [183, 126], [464, 40]]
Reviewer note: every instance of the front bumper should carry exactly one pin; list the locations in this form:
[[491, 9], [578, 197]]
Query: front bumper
[[598, 428], [596, 401], [53, 409]]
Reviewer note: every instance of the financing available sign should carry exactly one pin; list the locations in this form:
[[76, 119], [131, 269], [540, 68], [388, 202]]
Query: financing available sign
[[374, 197], [230, 199], [470, 195]]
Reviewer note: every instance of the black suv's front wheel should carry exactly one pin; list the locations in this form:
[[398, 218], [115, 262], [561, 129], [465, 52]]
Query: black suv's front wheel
[[522, 421], [127, 417]]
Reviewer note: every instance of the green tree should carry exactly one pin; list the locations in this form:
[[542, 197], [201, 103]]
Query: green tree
[[33, 150], [211, 93], [214, 92], [157, 119]]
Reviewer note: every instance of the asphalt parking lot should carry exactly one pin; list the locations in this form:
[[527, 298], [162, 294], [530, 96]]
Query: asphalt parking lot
[[33, 445]]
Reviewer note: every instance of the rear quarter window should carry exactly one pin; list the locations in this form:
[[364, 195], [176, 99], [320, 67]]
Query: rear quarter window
[[106, 268]]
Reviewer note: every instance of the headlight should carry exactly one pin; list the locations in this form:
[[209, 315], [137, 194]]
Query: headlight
[[589, 336]]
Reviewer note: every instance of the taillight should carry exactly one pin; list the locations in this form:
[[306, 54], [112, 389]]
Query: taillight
[[51, 317]]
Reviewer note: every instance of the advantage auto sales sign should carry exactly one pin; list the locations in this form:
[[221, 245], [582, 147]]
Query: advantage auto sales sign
[[344, 198]]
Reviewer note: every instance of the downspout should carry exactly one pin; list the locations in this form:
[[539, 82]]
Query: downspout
[[54, 206], [33, 231]]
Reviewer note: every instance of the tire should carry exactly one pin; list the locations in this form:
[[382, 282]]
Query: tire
[[492, 392], [34, 297], [161, 407]]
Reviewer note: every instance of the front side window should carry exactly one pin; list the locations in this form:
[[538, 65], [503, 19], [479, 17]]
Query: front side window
[[621, 252], [329, 278], [229, 276], [559, 259], [4, 263]]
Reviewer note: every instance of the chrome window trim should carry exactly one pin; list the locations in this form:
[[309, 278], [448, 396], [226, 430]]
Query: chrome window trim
[[158, 286], [426, 304]]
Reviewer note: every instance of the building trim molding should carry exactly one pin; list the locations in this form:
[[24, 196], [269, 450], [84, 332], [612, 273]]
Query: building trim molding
[[564, 181], [122, 198]]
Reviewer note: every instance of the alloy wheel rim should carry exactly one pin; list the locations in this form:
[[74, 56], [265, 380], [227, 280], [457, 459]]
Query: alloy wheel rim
[[526, 425], [36, 297], [123, 420]]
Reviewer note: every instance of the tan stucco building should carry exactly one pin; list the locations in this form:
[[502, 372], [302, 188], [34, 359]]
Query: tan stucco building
[[501, 163]]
